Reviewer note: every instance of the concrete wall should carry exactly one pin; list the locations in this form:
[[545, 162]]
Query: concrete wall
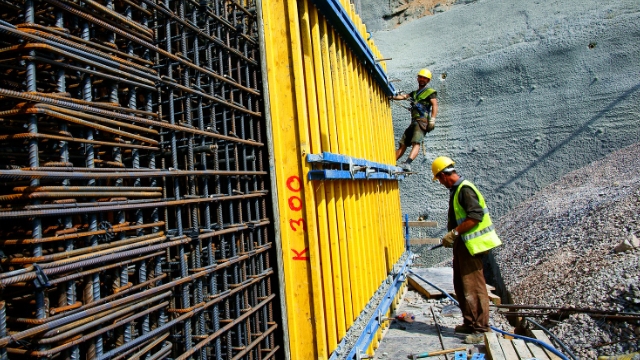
[[533, 90]]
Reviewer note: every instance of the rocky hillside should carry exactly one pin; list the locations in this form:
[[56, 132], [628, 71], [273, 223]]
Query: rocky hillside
[[389, 14], [560, 250]]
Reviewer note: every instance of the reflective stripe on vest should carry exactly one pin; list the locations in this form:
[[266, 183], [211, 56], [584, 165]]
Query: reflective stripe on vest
[[486, 230], [482, 237], [422, 94]]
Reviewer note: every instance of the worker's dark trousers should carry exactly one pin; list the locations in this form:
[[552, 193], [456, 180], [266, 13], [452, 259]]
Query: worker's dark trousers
[[470, 287]]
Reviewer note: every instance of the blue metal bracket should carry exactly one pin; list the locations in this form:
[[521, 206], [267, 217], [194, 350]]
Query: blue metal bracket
[[476, 356], [369, 331], [350, 168], [460, 355], [342, 23]]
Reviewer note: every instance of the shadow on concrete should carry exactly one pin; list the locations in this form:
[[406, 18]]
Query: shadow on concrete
[[578, 131], [421, 328]]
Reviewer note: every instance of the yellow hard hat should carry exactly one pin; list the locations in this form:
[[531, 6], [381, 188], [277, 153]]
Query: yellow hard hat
[[425, 72], [439, 164]]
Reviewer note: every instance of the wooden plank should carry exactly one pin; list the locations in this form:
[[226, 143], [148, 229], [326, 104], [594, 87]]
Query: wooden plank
[[493, 348], [424, 241], [441, 277], [507, 349], [430, 224], [494, 298], [521, 349], [540, 335], [537, 351], [427, 291]]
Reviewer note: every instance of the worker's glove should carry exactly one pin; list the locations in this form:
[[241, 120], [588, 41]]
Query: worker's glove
[[447, 240], [431, 125]]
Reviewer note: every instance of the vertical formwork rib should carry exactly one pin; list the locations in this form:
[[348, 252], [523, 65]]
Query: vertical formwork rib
[[134, 201]]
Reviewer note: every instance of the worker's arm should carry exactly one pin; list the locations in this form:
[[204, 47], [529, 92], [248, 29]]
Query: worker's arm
[[399, 97], [466, 225], [434, 107], [450, 237], [469, 202]]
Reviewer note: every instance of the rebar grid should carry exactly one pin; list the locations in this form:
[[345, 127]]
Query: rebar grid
[[133, 206]]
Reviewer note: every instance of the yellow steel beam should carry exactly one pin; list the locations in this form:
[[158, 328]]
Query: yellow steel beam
[[334, 193], [329, 243], [345, 141], [335, 91]]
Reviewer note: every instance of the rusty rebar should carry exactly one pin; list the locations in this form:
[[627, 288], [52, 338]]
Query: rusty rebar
[[132, 142]]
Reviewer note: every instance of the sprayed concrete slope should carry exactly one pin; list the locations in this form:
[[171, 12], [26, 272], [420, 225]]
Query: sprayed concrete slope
[[533, 90]]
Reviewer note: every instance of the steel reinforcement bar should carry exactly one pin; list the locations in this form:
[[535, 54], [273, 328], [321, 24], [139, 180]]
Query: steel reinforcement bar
[[134, 202]]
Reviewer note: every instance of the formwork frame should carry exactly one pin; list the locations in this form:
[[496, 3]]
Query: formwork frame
[[339, 239]]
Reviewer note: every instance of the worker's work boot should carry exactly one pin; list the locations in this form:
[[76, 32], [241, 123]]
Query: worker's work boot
[[406, 167], [463, 329], [474, 338]]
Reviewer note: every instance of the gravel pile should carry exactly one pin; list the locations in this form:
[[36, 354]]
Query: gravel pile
[[559, 251]]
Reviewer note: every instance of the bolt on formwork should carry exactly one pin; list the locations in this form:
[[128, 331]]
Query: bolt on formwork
[[134, 197]]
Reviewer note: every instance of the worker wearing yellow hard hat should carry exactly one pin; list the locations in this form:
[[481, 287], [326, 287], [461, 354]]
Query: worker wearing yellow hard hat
[[471, 234], [425, 73], [424, 108], [439, 164]]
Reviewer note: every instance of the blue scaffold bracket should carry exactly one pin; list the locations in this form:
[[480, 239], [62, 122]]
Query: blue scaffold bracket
[[460, 355], [342, 167], [477, 356]]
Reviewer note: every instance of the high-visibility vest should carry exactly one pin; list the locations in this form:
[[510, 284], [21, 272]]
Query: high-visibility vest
[[418, 96], [482, 237]]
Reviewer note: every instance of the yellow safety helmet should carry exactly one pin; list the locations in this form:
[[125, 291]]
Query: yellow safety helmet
[[439, 164], [425, 73]]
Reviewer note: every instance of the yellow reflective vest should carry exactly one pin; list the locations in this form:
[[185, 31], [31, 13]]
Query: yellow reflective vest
[[421, 109], [482, 237]]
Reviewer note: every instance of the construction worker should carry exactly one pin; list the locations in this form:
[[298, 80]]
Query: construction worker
[[423, 117], [471, 235]]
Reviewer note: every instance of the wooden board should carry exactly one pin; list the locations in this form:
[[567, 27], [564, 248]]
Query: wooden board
[[424, 241], [537, 351], [493, 348], [494, 298], [430, 224], [540, 335], [499, 348], [507, 349], [441, 277], [521, 349]]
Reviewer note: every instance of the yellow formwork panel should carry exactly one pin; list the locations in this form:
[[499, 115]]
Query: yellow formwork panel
[[339, 239]]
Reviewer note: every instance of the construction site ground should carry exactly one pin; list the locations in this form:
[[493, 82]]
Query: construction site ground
[[403, 339]]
